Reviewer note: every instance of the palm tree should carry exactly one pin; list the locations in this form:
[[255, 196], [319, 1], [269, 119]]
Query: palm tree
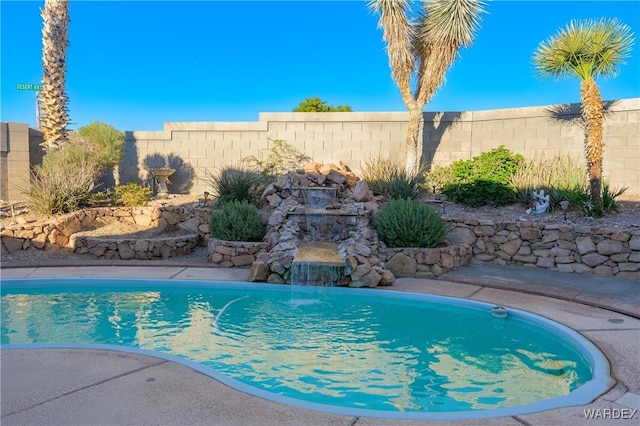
[[55, 115], [421, 50], [587, 49]]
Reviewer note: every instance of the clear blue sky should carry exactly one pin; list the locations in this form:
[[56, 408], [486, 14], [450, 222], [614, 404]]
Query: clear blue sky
[[137, 64]]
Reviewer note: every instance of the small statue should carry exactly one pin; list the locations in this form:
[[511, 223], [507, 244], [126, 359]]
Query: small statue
[[540, 202]]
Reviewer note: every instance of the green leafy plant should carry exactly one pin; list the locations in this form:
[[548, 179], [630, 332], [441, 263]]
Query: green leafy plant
[[480, 192], [609, 196], [316, 104], [63, 183], [103, 143], [482, 180], [438, 176], [282, 158], [237, 221], [608, 202], [229, 184], [405, 223], [132, 194], [391, 179]]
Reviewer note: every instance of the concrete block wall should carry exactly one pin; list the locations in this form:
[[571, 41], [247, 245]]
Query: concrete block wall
[[19, 151], [535, 131], [325, 137], [351, 137], [355, 137]]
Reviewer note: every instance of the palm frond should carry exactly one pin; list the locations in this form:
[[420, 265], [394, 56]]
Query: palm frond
[[452, 21], [586, 49]]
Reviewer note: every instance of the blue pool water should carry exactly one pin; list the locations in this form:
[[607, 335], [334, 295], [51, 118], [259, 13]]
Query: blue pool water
[[381, 352]]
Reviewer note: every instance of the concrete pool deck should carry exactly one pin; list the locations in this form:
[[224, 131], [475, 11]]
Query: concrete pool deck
[[68, 386]]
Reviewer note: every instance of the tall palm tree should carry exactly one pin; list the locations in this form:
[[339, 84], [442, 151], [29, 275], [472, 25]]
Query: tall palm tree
[[54, 99], [587, 49], [421, 50]]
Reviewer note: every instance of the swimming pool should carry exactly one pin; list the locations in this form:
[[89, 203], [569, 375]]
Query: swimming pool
[[347, 351]]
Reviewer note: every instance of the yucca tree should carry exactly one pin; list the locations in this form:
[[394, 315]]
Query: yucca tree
[[587, 49], [55, 115], [422, 44]]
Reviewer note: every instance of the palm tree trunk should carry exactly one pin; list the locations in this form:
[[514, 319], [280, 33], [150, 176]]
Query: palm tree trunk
[[593, 118], [55, 117]]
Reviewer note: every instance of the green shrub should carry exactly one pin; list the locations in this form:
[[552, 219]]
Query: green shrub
[[132, 194], [316, 104], [391, 179], [481, 192], [482, 180], [438, 176], [237, 221], [282, 158], [63, 183], [228, 185], [405, 223], [103, 142]]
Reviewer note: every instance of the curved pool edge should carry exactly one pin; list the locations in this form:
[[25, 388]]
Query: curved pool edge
[[545, 405], [585, 394]]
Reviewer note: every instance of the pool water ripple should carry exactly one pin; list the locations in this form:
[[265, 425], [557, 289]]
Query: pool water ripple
[[368, 350]]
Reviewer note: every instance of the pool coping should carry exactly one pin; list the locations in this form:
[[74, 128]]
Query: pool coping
[[618, 397]]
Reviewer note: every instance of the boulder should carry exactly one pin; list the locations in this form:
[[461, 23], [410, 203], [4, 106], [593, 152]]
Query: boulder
[[259, 271], [402, 265]]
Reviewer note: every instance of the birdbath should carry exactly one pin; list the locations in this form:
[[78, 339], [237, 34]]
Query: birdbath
[[162, 176]]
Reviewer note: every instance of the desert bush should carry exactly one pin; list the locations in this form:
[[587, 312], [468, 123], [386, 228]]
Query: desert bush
[[237, 221], [391, 179], [103, 143], [229, 185], [405, 223], [63, 183], [480, 193], [438, 176], [281, 159], [484, 179], [132, 194]]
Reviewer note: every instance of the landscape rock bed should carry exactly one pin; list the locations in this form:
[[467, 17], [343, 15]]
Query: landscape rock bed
[[113, 232], [608, 246]]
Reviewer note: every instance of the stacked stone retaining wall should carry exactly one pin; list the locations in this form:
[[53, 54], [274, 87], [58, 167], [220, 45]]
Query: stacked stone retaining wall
[[564, 247], [176, 230]]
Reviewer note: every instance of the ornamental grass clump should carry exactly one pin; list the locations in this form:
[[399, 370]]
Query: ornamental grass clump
[[405, 223], [391, 179], [237, 221], [63, 183], [233, 184]]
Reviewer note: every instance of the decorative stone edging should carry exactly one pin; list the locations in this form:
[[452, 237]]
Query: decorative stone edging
[[66, 231], [425, 262], [564, 247], [228, 254], [143, 248]]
